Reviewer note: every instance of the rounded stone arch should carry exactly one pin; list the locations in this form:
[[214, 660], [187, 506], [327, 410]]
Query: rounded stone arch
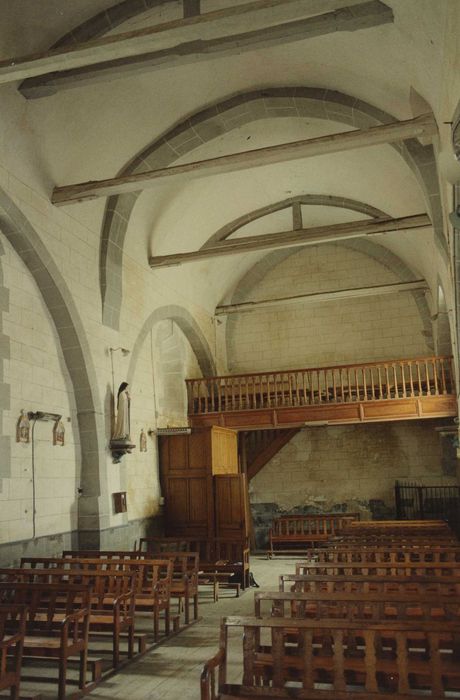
[[189, 328], [362, 245], [205, 125], [319, 200], [77, 356]]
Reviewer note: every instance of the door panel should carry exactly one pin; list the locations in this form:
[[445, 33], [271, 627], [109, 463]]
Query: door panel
[[231, 502]]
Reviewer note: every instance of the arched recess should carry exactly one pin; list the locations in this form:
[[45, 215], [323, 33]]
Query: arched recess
[[93, 504], [377, 252], [223, 117], [190, 329]]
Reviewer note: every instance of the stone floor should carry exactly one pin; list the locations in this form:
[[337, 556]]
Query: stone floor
[[171, 671]]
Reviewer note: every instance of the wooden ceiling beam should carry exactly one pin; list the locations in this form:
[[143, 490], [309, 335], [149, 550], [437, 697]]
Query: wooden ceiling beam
[[197, 33], [317, 297], [420, 127], [289, 239]]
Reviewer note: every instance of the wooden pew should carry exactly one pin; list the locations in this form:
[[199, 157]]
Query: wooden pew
[[387, 554], [447, 568], [296, 531], [216, 554], [417, 585], [57, 623], [357, 661], [397, 527], [153, 584], [112, 598], [12, 632], [381, 540], [371, 606]]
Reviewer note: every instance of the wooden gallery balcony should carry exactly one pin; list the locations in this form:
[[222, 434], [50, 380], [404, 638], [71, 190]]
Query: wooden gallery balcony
[[374, 391]]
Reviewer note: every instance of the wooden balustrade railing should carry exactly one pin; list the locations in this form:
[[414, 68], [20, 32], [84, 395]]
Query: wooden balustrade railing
[[371, 381]]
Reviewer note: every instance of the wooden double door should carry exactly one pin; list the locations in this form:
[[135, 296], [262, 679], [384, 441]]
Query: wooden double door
[[205, 494]]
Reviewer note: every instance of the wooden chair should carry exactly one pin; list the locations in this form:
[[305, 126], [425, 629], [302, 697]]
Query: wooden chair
[[12, 632], [57, 623], [112, 596]]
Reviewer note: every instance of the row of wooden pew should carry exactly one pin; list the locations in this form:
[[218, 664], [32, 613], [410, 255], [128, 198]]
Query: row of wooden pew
[[57, 608], [92, 595], [376, 611]]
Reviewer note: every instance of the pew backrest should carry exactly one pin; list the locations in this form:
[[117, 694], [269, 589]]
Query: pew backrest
[[374, 658], [418, 585], [372, 606], [410, 569]]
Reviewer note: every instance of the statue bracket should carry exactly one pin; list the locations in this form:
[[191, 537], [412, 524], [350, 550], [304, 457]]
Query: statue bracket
[[119, 448]]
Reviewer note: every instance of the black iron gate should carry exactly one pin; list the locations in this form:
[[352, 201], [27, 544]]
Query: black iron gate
[[416, 502]]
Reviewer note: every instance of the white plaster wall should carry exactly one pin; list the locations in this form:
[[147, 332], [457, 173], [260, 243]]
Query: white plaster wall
[[174, 361], [39, 381], [328, 333], [143, 487], [329, 466]]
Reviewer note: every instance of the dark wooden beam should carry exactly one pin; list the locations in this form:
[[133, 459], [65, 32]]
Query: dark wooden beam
[[419, 127], [196, 37], [316, 297], [285, 239]]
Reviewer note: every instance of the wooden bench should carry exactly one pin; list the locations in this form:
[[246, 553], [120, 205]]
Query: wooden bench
[[153, 583], [404, 539], [384, 555], [373, 606], [296, 531], [217, 554], [112, 596], [12, 632], [417, 585], [355, 661], [447, 568], [57, 623], [398, 527]]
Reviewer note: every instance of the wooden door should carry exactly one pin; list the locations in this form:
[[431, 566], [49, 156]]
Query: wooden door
[[231, 506], [187, 484], [188, 506]]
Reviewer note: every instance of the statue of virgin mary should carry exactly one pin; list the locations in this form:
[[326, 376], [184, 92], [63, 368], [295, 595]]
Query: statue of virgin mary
[[122, 424]]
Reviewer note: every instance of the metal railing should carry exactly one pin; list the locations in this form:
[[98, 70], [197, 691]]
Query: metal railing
[[417, 502]]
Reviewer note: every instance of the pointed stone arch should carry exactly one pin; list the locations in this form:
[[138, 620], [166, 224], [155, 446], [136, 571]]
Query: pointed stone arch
[[362, 245]]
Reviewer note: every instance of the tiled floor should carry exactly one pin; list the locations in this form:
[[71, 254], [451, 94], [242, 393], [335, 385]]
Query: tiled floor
[[172, 670]]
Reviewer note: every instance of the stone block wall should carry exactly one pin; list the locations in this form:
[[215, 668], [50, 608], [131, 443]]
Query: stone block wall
[[348, 468], [329, 333], [34, 371]]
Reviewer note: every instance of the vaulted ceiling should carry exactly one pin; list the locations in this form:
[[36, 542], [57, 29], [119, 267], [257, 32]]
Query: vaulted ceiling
[[403, 64]]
